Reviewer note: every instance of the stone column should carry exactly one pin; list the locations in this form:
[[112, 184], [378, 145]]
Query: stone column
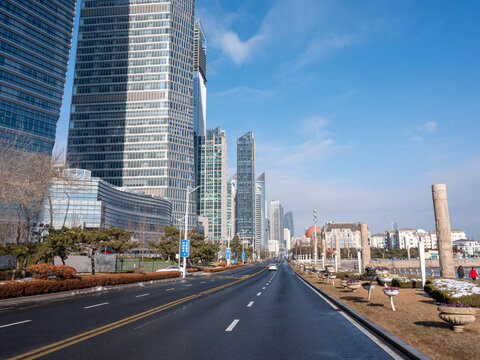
[[444, 235], [365, 246], [337, 249]]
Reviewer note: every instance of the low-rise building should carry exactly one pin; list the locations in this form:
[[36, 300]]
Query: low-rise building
[[470, 247], [348, 233], [78, 199], [378, 240]]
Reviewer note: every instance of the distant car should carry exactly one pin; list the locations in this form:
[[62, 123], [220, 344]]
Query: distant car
[[272, 267], [172, 268]]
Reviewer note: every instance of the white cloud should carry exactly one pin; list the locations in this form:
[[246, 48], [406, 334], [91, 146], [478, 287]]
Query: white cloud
[[242, 92], [429, 127], [239, 51]]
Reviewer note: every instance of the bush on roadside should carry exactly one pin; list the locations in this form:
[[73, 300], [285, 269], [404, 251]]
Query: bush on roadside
[[65, 272], [443, 296], [13, 288], [414, 284], [41, 271]]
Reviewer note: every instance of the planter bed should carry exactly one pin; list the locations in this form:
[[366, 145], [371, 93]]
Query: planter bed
[[9, 289]]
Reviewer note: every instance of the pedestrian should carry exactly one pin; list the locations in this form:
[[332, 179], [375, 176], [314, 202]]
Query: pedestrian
[[473, 274], [461, 272]]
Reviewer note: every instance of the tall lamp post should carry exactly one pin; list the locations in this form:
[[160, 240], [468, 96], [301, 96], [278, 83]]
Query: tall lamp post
[[315, 236], [230, 222], [179, 242], [188, 192], [359, 256]]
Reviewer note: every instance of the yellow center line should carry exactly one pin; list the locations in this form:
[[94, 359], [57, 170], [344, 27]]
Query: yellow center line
[[34, 354]]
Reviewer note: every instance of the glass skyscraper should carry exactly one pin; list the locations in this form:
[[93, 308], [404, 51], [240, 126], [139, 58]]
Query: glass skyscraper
[[35, 37], [246, 186], [212, 178], [276, 223], [288, 222], [199, 80], [260, 213], [132, 107]]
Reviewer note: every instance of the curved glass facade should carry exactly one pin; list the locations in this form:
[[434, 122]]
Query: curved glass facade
[[82, 200]]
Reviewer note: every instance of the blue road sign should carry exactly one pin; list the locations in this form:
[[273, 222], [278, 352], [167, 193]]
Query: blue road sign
[[185, 248], [236, 259], [243, 255], [228, 254]]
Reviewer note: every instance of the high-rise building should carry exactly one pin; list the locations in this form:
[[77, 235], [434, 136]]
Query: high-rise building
[[35, 39], [261, 239], [212, 179], [132, 107], [246, 186], [231, 201], [288, 220], [199, 80], [276, 223]]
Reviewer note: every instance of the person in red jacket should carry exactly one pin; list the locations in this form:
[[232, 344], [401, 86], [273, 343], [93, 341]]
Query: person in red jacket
[[473, 274]]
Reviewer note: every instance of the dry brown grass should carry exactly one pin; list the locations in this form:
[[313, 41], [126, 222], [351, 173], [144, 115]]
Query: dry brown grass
[[415, 320]]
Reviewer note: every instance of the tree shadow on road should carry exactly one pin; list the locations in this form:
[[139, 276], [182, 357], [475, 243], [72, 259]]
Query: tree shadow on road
[[375, 305]]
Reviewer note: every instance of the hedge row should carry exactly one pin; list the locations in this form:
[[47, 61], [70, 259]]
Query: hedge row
[[444, 297], [218, 269], [414, 284], [10, 288]]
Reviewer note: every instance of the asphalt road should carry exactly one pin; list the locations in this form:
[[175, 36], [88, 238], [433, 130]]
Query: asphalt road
[[247, 313]]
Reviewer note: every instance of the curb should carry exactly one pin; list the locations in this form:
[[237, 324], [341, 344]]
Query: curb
[[396, 343]]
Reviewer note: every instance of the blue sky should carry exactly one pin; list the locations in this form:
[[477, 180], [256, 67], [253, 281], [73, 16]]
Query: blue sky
[[357, 106]]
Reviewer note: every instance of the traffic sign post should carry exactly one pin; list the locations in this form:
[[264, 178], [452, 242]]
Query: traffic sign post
[[227, 255], [185, 248]]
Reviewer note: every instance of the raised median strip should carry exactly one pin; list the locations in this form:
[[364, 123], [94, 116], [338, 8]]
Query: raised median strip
[[396, 343], [42, 351]]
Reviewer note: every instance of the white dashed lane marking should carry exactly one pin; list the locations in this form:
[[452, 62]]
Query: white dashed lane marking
[[17, 323], [232, 325], [259, 294], [142, 295], [250, 304], [92, 306]]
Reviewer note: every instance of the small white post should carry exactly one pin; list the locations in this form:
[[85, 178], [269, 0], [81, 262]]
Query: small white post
[[421, 254], [336, 261]]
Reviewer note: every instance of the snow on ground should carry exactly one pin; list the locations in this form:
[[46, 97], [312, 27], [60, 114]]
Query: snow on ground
[[457, 288]]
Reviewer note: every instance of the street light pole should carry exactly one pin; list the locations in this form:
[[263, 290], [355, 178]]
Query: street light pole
[[179, 242], [188, 192], [229, 236]]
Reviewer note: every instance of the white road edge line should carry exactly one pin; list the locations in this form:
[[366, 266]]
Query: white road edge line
[[189, 285], [250, 303], [259, 294], [232, 325], [170, 289], [358, 326], [17, 323], [92, 306], [142, 295]]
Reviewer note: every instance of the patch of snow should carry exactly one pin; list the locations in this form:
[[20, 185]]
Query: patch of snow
[[141, 284], [456, 288], [99, 288]]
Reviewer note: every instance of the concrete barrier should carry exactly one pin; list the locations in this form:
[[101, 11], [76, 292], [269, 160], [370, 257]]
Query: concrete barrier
[[6, 262], [103, 263]]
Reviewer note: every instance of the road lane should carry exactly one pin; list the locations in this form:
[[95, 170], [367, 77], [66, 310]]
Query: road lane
[[288, 321], [63, 319]]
